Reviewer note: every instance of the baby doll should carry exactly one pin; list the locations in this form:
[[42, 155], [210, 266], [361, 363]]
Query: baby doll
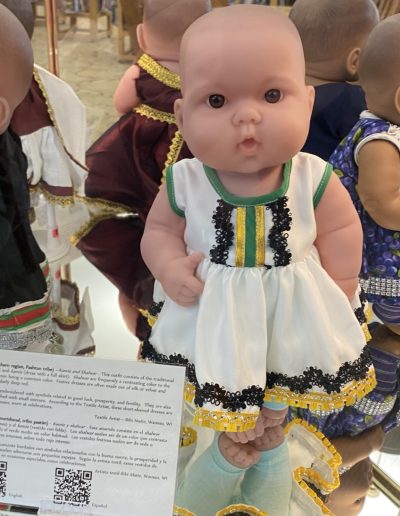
[[374, 144], [24, 301], [128, 162], [255, 273], [332, 33]]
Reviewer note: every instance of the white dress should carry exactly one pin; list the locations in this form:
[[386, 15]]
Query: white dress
[[270, 324]]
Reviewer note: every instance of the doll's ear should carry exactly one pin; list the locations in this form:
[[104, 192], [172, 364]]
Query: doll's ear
[[5, 115], [352, 61], [178, 114], [397, 100], [140, 35], [311, 96]]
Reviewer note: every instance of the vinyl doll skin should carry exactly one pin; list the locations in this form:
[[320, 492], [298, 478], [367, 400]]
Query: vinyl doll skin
[[368, 162], [159, 37], [238, 124], [333, 33]]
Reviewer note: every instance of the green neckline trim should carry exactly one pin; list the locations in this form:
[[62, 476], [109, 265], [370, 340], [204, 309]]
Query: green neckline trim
[[171, 192], [322, 184], [249, 201]]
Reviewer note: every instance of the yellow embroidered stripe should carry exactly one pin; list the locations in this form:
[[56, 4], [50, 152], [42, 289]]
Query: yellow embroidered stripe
[[246, 509], [173, 152], [240, 236], [188, 436], [260, 236], [159, 72]]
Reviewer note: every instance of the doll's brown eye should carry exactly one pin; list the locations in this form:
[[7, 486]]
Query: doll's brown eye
[[272, 96], [216, 101]]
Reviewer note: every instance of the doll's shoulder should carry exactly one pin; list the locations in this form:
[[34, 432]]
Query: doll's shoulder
[[310, 171], [188, 170]]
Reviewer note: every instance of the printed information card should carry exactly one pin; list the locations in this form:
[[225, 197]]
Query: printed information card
[[100, 436]]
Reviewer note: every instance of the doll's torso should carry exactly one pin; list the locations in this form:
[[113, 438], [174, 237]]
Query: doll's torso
[[381, 247], [337, 108], [268, 230]]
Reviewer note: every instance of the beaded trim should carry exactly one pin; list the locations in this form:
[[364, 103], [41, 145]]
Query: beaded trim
[[188, 436], [375, 408], [22, 339], [333, 462], [310, 492], [249, 510], [180, 511], [159, 72], [222, 421], [224, 233], [376, 285], [155, 114], [232, 401], [60, 200], [323, 401]]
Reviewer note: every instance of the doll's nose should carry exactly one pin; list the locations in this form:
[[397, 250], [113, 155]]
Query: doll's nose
[[246, 114]]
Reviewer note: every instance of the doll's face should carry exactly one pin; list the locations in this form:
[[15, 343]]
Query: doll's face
[[245, 104]]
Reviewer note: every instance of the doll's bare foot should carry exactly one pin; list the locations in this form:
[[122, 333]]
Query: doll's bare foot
[[129, 313], [241, 455], [273, 418], [356, 448], [271, 438], [384, 338], [248, 435]]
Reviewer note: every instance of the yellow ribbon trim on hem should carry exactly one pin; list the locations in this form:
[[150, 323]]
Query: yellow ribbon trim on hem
[[224, 421], [188, 436], [312, 494], [180, 511], [333, 463], [322, 401], [249, 509]]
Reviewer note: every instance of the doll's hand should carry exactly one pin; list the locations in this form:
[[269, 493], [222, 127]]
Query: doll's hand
[[248, 435], [271, 418], [180, 281]]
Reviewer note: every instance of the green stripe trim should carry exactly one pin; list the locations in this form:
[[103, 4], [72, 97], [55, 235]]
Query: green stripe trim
[[28, 323], [250, 240], [249, 201], [171, 192], [16, 313], [323, 184]]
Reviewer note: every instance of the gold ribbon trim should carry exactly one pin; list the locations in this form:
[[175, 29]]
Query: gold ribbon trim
[[155, 114], [159, 72], [240, 236]]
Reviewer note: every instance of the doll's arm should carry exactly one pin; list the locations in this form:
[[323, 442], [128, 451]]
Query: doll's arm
[[379, 182], [125, 96], [339, 236], [164, 252]]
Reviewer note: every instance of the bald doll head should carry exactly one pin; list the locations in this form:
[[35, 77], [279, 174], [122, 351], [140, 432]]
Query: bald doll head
[[379, 69], [23, 10], [333, 32], [164, 23], [16, 65]]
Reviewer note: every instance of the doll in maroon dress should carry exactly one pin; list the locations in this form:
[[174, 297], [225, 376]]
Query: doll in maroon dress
[[127, 163]]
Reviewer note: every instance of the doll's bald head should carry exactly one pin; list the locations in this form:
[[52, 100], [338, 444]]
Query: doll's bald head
[[23, 10], [379, 69], [164, 23], [16, 65], [332, 30]]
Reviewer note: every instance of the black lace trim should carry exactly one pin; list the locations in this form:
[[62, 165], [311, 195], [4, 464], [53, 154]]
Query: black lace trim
[[232, 401], [312, 376], [207, 393], [360, 312], [155, 308], [224, 232], [282, 221]]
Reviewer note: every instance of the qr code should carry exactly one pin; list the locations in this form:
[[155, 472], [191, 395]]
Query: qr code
[[3, 478], [72, 486]]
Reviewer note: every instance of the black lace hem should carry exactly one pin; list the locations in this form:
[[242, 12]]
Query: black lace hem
[[313, 377], [254, 395]]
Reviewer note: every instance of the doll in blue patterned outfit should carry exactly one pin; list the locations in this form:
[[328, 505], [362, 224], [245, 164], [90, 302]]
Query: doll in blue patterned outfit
[[368, 164]]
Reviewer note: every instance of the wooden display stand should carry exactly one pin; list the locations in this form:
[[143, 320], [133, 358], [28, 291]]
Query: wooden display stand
[[129, 15]]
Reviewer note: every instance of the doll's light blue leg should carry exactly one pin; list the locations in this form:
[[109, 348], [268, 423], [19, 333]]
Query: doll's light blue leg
[[209, 484], [267, 485]]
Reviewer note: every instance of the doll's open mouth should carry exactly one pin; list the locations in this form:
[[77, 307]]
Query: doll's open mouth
[[248, 145]]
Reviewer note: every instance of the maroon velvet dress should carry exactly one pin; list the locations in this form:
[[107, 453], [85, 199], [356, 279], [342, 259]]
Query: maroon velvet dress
[[126, 166]]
